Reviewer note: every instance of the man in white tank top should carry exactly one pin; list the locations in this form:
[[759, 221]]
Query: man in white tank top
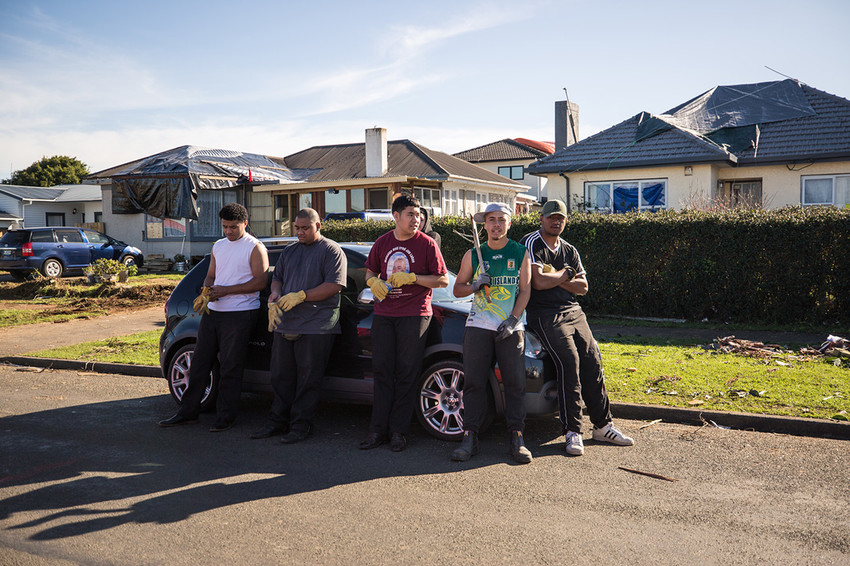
[[231, 291]]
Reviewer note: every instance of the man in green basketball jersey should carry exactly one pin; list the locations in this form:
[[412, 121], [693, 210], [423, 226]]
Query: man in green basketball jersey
[[501, 289]]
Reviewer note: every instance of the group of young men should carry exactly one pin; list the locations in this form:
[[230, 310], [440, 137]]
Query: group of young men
[[541, 276]]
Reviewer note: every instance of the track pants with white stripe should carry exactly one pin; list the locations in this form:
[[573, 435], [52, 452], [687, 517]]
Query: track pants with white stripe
[[578, 365]]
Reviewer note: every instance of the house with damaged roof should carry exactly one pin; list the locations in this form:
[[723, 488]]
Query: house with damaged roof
[[767, 145], [168, 203]]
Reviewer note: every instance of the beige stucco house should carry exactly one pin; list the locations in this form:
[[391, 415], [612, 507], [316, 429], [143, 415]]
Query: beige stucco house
[[764, 144]]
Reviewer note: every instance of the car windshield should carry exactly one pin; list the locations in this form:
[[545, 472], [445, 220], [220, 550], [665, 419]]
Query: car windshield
[[446, 294]]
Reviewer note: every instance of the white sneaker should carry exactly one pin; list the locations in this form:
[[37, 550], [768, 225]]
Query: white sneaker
[[609, 433], [575, 445]]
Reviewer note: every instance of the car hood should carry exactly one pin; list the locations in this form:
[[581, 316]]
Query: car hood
[[462, 307]]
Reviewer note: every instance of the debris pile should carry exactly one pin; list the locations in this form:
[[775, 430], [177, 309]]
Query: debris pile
[[834, 350]]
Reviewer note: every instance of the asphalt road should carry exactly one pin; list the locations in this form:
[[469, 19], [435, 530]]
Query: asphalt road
[[86, 477]]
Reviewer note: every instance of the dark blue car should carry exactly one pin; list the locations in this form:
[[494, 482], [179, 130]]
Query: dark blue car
[[348, 379], [56, 251]]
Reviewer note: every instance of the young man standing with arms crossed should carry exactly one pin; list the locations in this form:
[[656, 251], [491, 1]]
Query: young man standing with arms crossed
[[304, 317], [493, 331], [229, 303], [557, 277], [402, 268]]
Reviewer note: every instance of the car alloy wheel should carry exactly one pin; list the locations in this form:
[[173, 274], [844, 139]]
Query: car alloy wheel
[[128, 260], [440, 404], [52, 268], [178, 378]]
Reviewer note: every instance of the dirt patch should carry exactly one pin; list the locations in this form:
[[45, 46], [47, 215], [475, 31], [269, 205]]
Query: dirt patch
[[71, 296]]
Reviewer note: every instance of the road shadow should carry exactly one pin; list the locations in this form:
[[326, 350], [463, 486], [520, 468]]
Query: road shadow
[[90, 468]]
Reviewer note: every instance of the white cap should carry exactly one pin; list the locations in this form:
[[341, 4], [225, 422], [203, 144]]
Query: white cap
[[492, 207]]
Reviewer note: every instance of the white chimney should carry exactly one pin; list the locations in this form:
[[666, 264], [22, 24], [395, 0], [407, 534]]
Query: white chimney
[[376, 152], [566, 124]]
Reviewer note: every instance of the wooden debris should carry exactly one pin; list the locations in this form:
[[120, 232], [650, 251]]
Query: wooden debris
[[649, 474], [649, 424]]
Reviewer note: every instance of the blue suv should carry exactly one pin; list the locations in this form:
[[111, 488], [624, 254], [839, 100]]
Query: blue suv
[[56, 251]]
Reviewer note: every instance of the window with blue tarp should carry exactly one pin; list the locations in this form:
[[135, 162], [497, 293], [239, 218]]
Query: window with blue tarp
[[624, 196]]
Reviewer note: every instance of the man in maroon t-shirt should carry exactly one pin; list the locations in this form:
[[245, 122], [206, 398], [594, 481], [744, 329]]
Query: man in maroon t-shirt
[[402, 268]]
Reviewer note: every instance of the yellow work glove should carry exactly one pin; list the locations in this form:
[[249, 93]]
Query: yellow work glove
[[275, 315], [379, 288], [291, 300], [201, 301], [547, 268], [401, 278]]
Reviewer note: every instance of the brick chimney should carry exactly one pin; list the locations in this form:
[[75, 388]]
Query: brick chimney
[[376, 152], [566, 124]]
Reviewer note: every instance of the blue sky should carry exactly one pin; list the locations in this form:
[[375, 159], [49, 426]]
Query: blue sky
[[109, 82]]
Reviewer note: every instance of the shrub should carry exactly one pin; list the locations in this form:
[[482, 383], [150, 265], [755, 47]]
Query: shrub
[[784, 266]]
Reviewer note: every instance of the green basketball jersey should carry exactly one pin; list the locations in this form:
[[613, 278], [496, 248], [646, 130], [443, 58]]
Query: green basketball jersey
[[503, 266]]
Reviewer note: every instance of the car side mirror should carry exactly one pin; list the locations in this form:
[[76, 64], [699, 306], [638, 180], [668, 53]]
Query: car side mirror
[[366, 297]]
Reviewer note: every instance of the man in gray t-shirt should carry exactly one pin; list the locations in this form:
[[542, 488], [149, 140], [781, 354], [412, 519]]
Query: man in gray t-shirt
[[304, 315]]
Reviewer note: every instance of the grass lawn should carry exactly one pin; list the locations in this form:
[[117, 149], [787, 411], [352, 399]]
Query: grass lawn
[[659, 372], [140, 349]]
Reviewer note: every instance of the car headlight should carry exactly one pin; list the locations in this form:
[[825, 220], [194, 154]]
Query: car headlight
[[533, 346]]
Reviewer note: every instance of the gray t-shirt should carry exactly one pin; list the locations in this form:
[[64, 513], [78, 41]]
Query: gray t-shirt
[[301, 267]]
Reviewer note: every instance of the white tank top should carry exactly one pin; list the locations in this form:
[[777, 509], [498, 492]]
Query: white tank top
[[232, 267]]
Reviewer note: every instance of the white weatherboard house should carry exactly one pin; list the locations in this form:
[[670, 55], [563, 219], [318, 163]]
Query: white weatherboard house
[[61, 205]]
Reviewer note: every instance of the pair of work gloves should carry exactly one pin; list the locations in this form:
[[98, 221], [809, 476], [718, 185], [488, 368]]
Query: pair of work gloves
[[276, 308], [284, 304], [380, 288], [202, 301]]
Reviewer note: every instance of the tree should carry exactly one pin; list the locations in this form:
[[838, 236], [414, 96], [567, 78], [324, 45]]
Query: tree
[[56, 170]]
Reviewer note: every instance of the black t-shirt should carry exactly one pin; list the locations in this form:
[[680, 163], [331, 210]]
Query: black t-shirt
[[557, 299]]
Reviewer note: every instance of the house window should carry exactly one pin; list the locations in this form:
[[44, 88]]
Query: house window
[[831, 190], [208, 224], [55, 219], [305, 200], [98, 216], [164, 228], [429, 198], [358, 200], [625, 196], [515, 172], [335, 201], [450, 199], [742, 193], [379, 199]]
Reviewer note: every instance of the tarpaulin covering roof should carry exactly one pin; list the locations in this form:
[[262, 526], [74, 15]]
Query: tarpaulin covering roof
[[166, 185], [730, 115]]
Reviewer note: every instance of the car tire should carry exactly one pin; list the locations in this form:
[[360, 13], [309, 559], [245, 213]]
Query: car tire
[[178, 378], [128, 260], [439, 407], [52, 268]]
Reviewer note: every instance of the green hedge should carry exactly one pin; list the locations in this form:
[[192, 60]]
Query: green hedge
[[780, 266]]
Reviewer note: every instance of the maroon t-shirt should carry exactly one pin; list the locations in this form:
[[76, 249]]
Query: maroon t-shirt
[[419, 255]]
